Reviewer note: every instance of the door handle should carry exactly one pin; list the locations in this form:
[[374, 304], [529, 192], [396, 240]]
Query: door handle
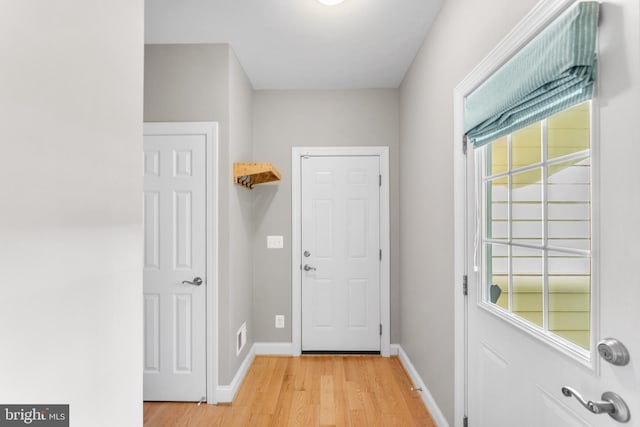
[[196, 282], [307, 267], [611, 404]]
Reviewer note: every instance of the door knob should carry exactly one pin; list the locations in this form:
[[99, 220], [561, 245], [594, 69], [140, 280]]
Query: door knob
[[307, 267], [611, 404], [196, 282]]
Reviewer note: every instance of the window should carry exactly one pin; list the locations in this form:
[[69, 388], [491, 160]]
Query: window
[[534, 225]]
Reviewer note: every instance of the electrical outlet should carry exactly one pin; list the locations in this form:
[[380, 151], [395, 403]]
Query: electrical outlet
[[279, 321]]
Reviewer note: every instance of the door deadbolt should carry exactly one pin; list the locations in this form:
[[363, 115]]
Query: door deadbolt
[[613, 351], [306, 254]]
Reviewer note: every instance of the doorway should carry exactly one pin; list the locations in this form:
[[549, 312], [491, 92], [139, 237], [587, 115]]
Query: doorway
[[316, 326], [180, 252]]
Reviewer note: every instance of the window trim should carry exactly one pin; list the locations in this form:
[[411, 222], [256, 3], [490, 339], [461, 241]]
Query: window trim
[[587, 358]]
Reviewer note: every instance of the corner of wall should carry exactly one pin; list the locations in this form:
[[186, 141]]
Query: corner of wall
[[240, 219]]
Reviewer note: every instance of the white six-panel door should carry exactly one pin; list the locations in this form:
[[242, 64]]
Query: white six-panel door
[[341, 253], [174, 252]]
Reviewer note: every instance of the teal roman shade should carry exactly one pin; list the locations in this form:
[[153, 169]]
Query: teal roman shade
[[554, 71]]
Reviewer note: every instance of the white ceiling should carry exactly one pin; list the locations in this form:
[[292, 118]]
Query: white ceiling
[[302, 44]]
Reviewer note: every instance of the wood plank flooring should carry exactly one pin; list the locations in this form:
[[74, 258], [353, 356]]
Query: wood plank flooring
[[308, 391]]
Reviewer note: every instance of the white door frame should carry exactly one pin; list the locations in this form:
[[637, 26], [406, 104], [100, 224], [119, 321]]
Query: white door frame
[[210, 132], [296, 238], [537, 19]]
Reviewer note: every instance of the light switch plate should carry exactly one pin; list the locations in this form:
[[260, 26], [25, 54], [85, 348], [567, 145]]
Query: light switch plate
[[279, 321], [275, 242]]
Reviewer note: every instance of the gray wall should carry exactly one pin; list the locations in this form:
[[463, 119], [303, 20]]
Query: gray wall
[[71, 228], [284, 119], [187, 82], [240, 308], [462, 34], [204, 82]]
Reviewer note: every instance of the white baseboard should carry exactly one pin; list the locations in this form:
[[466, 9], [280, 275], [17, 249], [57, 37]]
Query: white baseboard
[[226, 393], [394, 349], [274, 348], [425, 394]]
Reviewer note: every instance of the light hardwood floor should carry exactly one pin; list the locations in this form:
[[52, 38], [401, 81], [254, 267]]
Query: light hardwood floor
[[308, 391]]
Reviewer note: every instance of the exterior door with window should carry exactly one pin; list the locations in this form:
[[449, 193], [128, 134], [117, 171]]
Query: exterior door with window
[[551, 261], [531, 280]]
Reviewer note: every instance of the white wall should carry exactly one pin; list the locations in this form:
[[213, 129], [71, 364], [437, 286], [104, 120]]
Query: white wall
[[284, 119], [70, 207], [462, 34]]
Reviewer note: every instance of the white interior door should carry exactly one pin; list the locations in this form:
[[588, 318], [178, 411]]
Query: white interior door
[[515, 373], [340, 253], [174, 267]]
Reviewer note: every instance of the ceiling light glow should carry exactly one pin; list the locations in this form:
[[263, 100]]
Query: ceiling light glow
[[330, 2]]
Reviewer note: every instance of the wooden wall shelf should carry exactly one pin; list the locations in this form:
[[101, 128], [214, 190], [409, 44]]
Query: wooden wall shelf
[[250, 174]]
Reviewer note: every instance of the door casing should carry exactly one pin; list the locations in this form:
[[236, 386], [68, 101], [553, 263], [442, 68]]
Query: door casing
[[210, 131], [296, 238]]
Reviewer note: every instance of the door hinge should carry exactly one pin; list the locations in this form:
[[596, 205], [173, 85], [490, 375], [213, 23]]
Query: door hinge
[[465, 285], [380, 253], [380, 329], [380, 180], [464, 145], [465, 421]]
